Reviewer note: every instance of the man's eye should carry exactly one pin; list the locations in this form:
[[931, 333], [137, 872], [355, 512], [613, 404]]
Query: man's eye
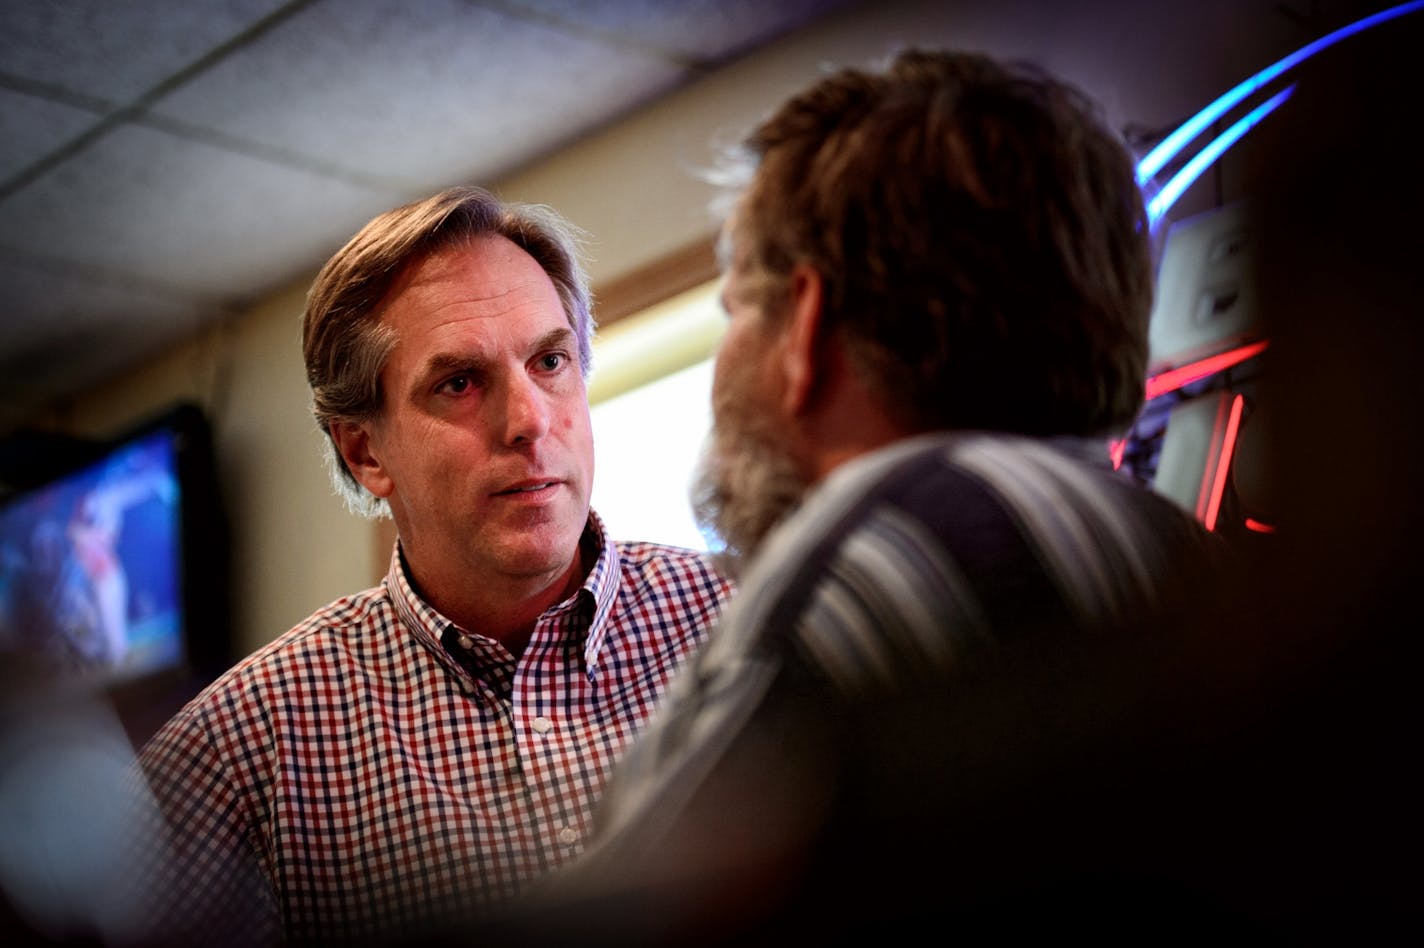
[[456, 384], [550, 361]]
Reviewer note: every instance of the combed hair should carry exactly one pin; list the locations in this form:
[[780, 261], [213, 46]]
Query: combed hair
[[345, 344], [981, 237]]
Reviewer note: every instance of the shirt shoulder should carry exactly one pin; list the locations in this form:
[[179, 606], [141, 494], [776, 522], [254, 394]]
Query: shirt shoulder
[[941, 551], [275, 674], [658, 571], [660, 608]]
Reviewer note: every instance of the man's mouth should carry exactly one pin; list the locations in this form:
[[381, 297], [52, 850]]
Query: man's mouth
[[529, 488]]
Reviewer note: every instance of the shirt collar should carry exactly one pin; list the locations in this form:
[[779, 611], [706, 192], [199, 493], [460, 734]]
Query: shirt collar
[[601, 586], [424, 621], [599, 591]]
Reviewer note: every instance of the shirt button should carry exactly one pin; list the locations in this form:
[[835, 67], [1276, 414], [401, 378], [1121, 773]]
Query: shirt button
[[568, 835], [543, 725], [466, 642]]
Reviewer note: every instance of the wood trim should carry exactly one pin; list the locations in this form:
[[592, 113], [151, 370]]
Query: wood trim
[[665, 277]]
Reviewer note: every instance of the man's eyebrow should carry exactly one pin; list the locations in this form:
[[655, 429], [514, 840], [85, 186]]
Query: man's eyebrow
[[446, 363], [442, 362], [563, 336]]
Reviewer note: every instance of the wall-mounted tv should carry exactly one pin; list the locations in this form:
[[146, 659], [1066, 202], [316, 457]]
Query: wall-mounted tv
[[116, 570]]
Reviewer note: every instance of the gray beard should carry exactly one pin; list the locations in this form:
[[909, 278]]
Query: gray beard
[[745, 484]]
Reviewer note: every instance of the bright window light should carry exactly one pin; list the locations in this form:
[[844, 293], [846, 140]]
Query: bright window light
[[646, 445], [651, 405]]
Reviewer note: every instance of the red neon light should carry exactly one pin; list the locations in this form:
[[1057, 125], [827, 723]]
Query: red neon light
[[1259, 526], [1223, 463], [1174, 379]]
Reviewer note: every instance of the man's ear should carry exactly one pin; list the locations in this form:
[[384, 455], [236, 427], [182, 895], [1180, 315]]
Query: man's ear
[[353, 442], [804, 353]]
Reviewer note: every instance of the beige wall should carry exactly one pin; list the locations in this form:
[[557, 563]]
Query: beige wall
[[634, 187]]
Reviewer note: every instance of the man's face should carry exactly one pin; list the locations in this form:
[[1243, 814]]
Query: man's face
[[484, 439], [749, 480]]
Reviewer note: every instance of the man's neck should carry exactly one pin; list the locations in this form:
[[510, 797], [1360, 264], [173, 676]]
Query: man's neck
[[507, 609]]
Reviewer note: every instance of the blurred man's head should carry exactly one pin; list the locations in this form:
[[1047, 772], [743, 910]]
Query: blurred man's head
[[972, 239]]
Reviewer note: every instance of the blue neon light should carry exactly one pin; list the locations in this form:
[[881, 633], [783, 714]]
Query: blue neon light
[[1203, 159], [1168, 148]]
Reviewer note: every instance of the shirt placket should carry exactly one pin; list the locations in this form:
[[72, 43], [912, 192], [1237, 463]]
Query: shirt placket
[[558, 763]]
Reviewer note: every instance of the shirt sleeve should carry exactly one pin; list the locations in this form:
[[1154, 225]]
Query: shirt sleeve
[[199, 868]]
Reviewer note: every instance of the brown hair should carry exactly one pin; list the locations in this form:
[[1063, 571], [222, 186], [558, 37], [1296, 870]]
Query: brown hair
[[345, 345], [980, 234]]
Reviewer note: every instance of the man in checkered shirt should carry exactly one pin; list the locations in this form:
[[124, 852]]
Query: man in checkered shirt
[[422, 749]]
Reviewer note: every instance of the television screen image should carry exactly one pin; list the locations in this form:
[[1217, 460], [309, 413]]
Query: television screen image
[[91, 565]]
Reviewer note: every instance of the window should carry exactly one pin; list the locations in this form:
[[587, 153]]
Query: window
[[650, 397]]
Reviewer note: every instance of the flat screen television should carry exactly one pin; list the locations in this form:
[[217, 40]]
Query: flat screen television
[[114, 570]]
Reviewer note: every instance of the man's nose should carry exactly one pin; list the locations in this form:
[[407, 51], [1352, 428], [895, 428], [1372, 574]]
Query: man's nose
[[526, 410]]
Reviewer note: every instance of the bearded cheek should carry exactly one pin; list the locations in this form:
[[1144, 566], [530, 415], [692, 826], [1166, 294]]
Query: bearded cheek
[[748, 483]]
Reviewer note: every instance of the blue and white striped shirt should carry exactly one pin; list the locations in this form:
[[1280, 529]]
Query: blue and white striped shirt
[[923, 561]]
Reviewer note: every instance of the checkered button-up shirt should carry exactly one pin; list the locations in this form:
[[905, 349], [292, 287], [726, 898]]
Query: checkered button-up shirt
[[377, 768]]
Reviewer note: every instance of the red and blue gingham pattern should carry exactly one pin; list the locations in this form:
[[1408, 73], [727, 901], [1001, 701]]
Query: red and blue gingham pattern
[[376, 770]]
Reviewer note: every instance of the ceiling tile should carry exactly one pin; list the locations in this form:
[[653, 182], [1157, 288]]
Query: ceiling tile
[[185, 215], [31, 128], [61, 299], [116, 49], [79, 329], [440, 91], [705, 31]]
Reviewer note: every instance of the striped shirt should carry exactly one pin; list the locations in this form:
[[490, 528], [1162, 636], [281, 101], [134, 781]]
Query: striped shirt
[[377, 769], [919, 562]]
